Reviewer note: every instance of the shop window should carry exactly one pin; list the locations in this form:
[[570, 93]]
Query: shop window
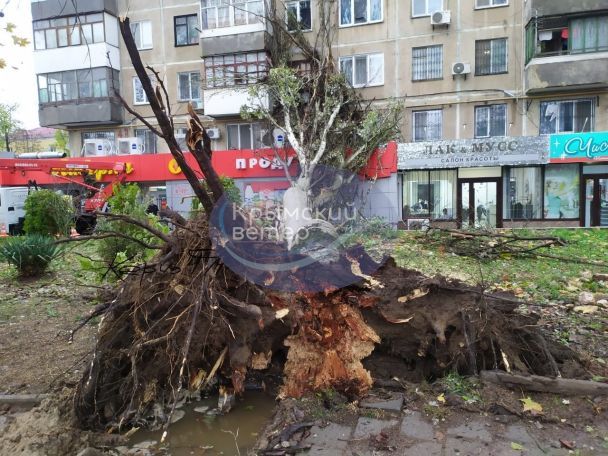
[[235, 69], [148, 138], [567, 116], [142, 34], [363, 70], [186, 30], [490, 121], [562, 192], [427, 125], [490, 56], [356, 12], [427, 63], [247, 136], [189, 86], [219, 14], [524, 193], [430, 194], [298, 15], [426, 7]]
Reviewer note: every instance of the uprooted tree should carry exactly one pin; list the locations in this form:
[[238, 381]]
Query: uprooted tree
[[185, 317]]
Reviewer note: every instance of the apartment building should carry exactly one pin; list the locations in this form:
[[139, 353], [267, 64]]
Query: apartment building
[[485, 83]]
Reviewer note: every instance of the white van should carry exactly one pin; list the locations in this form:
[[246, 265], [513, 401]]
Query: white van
[[12, 212]]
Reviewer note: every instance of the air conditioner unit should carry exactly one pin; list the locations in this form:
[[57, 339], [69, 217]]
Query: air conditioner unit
[[440, 18], [197, 104], [214, 133], [461, 68], [130, 146], [97, 147]]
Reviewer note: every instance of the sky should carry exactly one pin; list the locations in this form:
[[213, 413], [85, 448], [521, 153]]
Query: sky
[[17, 79]]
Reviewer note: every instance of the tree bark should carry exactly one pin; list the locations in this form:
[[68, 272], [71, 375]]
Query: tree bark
[[545, 384]]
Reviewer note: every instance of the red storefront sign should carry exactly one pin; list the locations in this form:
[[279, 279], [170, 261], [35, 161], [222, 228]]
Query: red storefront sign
[[236, 164]]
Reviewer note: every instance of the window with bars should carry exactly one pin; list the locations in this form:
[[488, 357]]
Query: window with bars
[[247, 136], [490, 56], [566, 116], [186, 30], [142, 33], [356, 12], [298, 15], [189, 86], [427, 63], [228, 13], [490, 121], [148, 139], [427, 125], [139, 94], [363, 70], [235, 69], [490, 3], [77, 84], [69, 31], [426, 7]]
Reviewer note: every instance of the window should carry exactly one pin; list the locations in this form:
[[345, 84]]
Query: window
[[298, 15], [524, 193], [148, 138], [186, 30], [363, 70], [427, 125], [427, 63], [489, 3], [68, 31], [490, 121], [562, 192], [189, 86], [430, 194], [218, 13], [354, 12], [139, 94], [426, 7], [142, 33], [180, 136], [571, 116], [589, 34], [247, 136], [76, 84], [235, 69], [490, 56]]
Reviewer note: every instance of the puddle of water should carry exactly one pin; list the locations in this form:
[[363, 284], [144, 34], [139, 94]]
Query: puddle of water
[[196, 430]]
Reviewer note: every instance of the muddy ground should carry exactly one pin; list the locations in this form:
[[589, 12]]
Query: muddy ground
[[35, 357]]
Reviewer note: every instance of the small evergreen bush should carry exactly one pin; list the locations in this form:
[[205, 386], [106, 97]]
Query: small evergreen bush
[[30, 254], [48, 214]]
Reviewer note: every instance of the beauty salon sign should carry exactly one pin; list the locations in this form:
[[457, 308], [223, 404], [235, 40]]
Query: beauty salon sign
[[579, 147]]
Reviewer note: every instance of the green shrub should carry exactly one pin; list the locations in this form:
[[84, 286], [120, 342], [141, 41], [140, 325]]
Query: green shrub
[[30, 254], [232, 193], [48, 214], [119, 254]]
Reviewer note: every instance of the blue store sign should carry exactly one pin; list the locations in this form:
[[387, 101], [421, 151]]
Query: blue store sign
[[579, 147]]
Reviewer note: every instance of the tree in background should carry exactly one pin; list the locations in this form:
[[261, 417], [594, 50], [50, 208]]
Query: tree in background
[[8, 123], [61, 141]]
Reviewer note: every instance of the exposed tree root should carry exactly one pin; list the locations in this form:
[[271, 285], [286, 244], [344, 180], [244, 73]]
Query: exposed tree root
[[189, 310]]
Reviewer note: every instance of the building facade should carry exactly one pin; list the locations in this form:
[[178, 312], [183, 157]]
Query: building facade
[[485, 85]]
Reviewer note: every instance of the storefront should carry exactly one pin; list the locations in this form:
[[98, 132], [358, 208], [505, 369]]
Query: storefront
[[482, 183], [586, 155]]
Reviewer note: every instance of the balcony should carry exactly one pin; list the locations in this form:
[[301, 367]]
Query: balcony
[[51, 9], [229, 29], [221, 102], [567, 73], [81, 113], [541, 8], [76, 57]]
